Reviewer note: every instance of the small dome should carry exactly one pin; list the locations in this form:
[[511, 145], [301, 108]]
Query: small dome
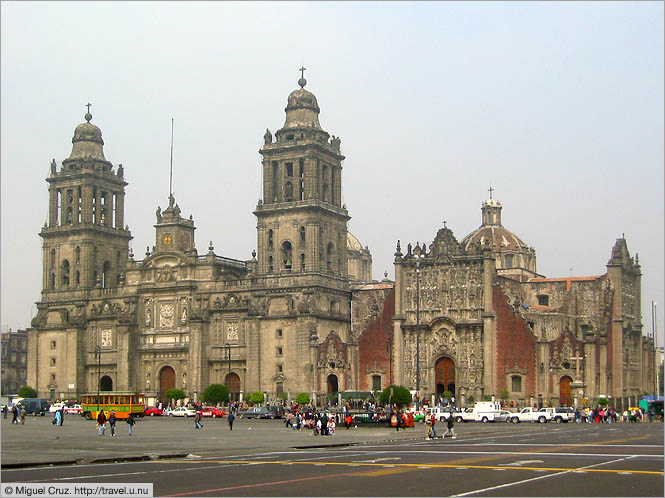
[[499, 238], [352, 242], [87, 141], [302, 110]]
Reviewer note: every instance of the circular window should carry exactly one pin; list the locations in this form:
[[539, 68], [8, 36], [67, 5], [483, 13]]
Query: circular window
[[566, 364]]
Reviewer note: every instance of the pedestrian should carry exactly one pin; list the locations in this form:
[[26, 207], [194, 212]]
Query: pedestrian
[[62, 415], [130, 423], [14, 414], [298, 421], [112, 421], [101, 423], [331, 426], [324, 425], [197, 420], [4, 411], [22, 416], [232, 417], [435, 434], [57, 420], [347, 420], [451, 428]]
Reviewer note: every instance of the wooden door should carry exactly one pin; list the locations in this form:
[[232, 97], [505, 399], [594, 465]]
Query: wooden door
[[565, 398], [445, 375], [166, 382]]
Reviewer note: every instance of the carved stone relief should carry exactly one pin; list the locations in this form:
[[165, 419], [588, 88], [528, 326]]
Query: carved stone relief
[[107, 338], [166, 315]]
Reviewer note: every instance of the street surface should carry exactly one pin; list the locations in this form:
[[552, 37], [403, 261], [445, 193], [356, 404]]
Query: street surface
[[263, 458]]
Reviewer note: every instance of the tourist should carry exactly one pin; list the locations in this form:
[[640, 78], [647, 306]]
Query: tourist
[[22, 416], [14, 414], [451, 428], [101, 423], [130, 424], [112, 421], [197, 421], [232, 417]]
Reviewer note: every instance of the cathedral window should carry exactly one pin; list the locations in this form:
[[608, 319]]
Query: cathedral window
[[302, 262], [106, 280], [325, 192], [275, 168], [279, 333], [52, 344], [78, 255], [52, 281], [289, 169], [288, 191], [287, 261], [508, 260], [77, 278], [302, 236], [543, 300], [270, 240], [333, 175], [65, 273], [331, 249], [279, 368], [52, 361], [279, 351], [270, 264], [516, 381], [301, 176], [376, 382], [280, 388], [290, 137], [52, 262]]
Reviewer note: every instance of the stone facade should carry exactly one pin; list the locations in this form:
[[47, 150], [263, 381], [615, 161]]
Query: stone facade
[[302, 314], [14, 360]]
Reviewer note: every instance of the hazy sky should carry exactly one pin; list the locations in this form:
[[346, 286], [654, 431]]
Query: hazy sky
[[557, 105]]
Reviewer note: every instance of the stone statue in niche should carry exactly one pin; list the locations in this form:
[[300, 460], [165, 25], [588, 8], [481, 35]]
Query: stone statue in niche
[[148, 314], [184, 380], [147, 381], [267, 137]]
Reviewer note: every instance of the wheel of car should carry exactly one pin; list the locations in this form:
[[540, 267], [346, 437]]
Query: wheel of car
[[272, 417], [459, 420], [214, 416], [515, 420], [170, 414], [87, 415], [152, 414], [558, 420], [484, 420], [541, 419]]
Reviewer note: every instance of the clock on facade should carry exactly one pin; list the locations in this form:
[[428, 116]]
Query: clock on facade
[[167, 239]]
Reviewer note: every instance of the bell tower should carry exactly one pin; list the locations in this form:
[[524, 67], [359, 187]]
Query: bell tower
[[302, 223], [85, 240]]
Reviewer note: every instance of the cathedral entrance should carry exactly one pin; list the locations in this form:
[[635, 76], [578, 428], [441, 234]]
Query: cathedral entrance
[[444, 371], [332, 384], [565, 399], [166, 382], [232, 381], [106, 383]]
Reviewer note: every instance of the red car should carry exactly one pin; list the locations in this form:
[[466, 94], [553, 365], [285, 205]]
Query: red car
[[211, 411], [153, 410]]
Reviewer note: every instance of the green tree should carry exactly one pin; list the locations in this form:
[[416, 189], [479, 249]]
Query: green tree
[[27, 392], [603, 401], [302, 399], [447, 395], [283, 396], [175, 394], [215, 393], [400, 395], [256, 397], [470, 400], [487, 397], [504, 395]]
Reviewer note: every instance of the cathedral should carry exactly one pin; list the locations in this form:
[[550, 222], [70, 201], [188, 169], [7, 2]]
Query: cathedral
[[472, 317]]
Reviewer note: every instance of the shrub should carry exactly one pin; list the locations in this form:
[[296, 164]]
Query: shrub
[[400, 395], [215, 393], [256, 398], [302, 399], [175, 394], [471, 399], [603, 401], [27, 392]]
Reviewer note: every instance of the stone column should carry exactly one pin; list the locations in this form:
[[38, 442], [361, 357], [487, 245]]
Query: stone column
[[86, 204], [53, 205]]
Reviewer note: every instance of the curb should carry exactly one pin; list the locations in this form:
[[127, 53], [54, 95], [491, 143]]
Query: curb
[[90, 460]]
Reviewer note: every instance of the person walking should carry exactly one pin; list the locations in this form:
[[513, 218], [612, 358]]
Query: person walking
[[130, 424], [57, 419], [451, 428], [62, 415], [4, 411], [435, 434], [197, 420], [112, 421], [14, 414], [232, 417], [22, 416], [101, 423]]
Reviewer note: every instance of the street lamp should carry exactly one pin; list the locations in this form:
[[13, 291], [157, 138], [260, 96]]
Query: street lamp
[[98, 357], [227, 347]]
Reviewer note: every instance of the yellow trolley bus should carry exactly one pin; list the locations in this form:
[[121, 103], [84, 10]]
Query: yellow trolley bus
[[122, 403]]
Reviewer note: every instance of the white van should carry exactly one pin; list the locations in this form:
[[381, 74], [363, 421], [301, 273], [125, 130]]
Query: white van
[[486, 411]]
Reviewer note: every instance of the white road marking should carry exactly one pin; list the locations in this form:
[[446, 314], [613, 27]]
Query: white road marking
[[534, 478]]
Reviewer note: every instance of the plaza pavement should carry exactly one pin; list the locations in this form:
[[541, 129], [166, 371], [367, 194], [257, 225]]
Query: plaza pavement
[[38, 442]]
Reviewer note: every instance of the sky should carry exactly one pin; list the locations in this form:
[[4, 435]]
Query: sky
[[557, 105]]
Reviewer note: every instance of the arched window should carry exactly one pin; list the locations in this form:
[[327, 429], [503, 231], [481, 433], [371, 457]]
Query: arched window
[[302, 262], [329, 259], [270, 240], [286, 256], [270, 264], [508, 260], [302, 236], [78, 255], [52, 262], [77, 278], [64, 279], [106, 274], [52, 281], [516, 382]]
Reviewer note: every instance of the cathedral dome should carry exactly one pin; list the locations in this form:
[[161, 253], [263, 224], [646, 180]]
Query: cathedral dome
[[87, 141], [352, 242], [302, 109]]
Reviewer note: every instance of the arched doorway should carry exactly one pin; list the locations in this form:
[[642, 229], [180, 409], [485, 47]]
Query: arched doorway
[[444, 369], [232, 381], [166, 382], [565, 398], [333, 386], [106, 383]]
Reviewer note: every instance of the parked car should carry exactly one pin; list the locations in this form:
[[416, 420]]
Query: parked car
[[275, 412], [182, 411], [253, 412], [152, 411], [34, 406], [530, 414], [55, 407], [212, 411], [503, 416], [74, 410], [559, 414]]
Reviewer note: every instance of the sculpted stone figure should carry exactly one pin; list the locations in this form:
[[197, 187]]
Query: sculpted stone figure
[[267, 138]]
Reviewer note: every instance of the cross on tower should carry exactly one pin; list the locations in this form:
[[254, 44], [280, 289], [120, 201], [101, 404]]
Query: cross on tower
[[302, 71], [88, 106], [490, 191], [444, 224]]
